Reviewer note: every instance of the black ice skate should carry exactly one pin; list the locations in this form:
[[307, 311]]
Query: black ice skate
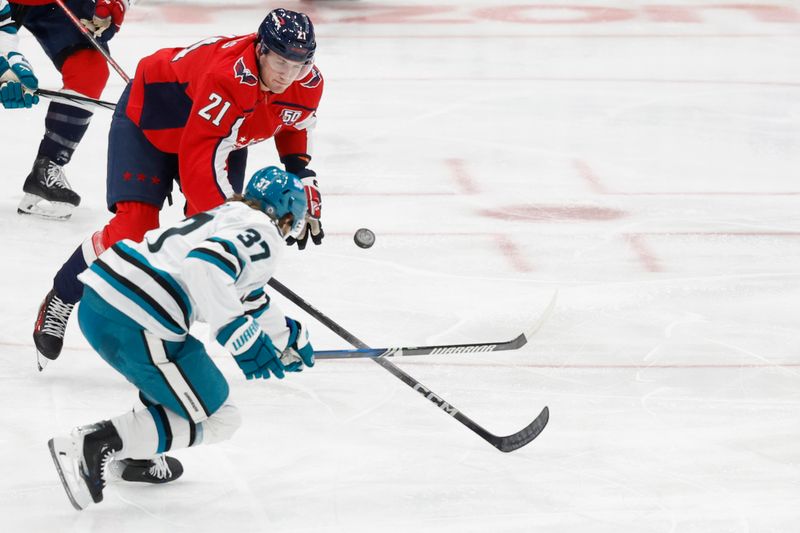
[[160, 469], [48, 332], [48, 182], [81, 458]]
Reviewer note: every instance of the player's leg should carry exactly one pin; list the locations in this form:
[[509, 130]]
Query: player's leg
[[84, 71], [187, 391], [139, 179]]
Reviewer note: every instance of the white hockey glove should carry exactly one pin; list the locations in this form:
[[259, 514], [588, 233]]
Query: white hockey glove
[[313, 226], [299, 351]]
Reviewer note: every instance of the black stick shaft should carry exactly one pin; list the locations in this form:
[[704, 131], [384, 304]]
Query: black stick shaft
[[88, 34], [75, 98], [505, 444]]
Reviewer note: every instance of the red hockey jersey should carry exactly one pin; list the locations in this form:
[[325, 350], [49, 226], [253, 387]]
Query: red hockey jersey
[[204, 101]]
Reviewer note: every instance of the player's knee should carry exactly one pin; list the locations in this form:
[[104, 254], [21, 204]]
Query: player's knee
[[222, 424], [85, 72], [131, 221]]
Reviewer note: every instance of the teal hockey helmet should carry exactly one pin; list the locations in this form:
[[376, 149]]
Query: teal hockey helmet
[[278, 193]]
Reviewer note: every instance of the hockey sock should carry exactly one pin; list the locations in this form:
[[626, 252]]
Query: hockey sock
[[156, 429], [65, 126], [84, 72], [66, 282]]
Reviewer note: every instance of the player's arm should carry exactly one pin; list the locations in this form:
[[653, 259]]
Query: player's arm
[[17, 81], [211, 270], [288, 335], [209, 138], [294, 145]]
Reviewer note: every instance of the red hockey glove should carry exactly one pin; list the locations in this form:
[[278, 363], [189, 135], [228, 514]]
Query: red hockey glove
[[106, 12], [313, 196], [313, 226]]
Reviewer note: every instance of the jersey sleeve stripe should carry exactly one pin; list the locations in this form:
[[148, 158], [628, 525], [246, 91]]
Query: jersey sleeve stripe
[[163, 279], [258, 311], [256, 303], [219, 162], [229, 247], [136, 295], [255, 295], [298, 106], [212, 257]]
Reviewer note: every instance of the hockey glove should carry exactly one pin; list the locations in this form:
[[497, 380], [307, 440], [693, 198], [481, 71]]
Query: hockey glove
[[17, 82], [106, 12], [299, 351], [251, 348], [313, 226]]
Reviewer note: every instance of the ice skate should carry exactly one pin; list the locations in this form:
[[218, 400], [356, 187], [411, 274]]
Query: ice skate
[[48, 332], [81, 458], [160, 469], [47, 183]]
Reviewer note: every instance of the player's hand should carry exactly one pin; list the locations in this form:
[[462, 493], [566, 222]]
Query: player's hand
[[106, 13], [313, 226], [17, 82], [299, 351], [252, 349]]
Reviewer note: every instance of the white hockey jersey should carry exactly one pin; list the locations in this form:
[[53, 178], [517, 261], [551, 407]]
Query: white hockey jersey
[[211, 267]]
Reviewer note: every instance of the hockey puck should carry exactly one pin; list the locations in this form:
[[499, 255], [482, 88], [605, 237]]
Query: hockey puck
[[364, 238]]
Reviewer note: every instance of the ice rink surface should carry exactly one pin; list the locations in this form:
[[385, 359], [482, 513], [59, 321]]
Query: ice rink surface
[[640, 157]]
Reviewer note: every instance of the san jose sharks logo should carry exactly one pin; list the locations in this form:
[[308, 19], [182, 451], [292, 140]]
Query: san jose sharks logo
[[243, 73]]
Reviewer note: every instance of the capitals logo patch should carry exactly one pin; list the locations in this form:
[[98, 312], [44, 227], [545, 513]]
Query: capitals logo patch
[[290, 116], [243, 73], [314, 81]]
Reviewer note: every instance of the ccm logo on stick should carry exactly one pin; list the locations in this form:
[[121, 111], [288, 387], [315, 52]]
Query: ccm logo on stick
[[443, 405]]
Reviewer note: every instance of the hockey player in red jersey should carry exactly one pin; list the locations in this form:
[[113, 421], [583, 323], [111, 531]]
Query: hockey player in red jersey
[[83, 71], [188, 116]]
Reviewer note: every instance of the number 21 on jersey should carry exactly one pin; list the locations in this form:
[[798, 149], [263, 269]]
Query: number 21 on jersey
[[211, 109]]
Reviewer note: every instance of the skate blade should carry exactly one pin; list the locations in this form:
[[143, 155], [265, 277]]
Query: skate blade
[[30, 205], [64, 455], [41, 360]]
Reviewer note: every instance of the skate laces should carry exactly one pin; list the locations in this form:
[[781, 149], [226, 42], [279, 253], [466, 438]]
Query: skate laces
[[160, 468], [55, 317], [55, 177], [107, 456]]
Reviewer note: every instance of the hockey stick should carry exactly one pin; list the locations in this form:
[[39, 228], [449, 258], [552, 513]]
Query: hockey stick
[[508, 443], [444, 349], [70, 98], [88, 34]]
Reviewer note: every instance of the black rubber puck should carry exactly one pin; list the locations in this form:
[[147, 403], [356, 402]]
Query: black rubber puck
[[364, 238]]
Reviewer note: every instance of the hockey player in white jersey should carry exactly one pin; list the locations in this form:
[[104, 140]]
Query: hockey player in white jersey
[[139, 302]]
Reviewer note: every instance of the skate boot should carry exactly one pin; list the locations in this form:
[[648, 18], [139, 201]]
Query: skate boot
[[48, 332], [81, 458], [48, 182], [159, 469]]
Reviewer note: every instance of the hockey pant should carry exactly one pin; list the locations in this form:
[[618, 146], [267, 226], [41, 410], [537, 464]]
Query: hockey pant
[[184, 389]]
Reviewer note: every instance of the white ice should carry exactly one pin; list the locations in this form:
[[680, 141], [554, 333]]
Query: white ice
[[642, 159]]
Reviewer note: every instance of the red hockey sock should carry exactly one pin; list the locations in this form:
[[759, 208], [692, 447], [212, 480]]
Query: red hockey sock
[[85, 72], [131, 221]]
